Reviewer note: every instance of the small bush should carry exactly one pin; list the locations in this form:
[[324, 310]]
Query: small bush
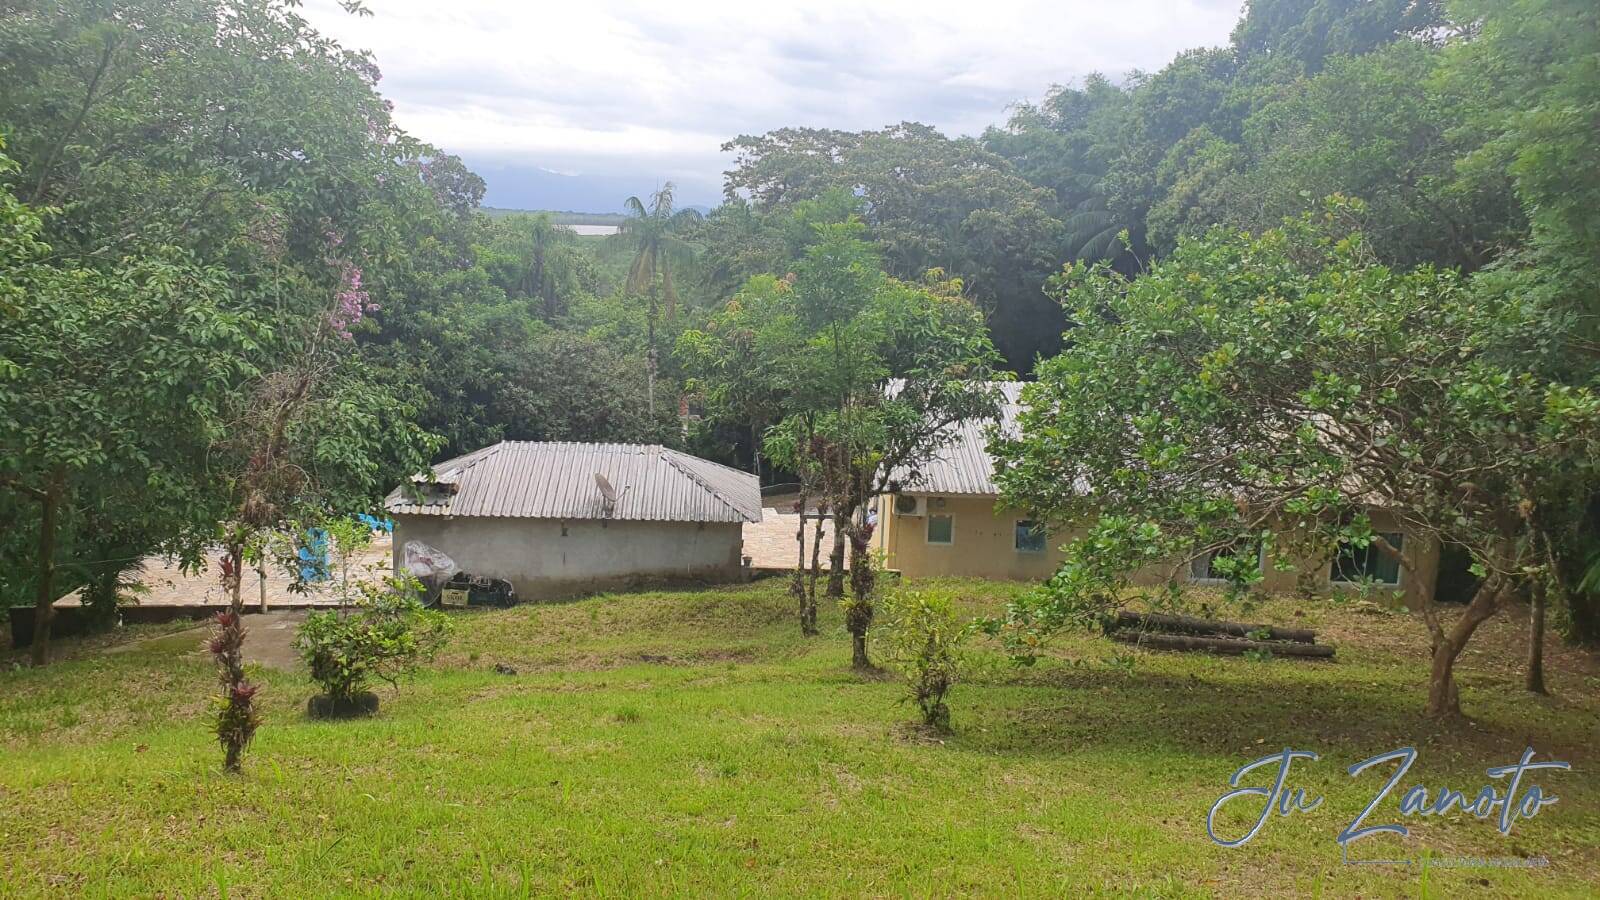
[[386, 636], [237, 718], [920, 637]]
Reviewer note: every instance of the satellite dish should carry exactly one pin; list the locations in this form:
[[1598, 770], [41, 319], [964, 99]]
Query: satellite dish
[[607, 493]]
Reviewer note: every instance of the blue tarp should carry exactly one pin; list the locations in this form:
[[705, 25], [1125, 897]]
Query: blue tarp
[[313, 556]]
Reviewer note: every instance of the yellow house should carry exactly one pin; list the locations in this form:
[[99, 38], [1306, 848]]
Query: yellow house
[[950, 522]]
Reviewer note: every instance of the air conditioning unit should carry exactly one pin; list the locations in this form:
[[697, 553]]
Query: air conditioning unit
[[910, 505]]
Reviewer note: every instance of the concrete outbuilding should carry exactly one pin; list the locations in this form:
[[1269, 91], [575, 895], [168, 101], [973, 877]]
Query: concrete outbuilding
[[558, 519]]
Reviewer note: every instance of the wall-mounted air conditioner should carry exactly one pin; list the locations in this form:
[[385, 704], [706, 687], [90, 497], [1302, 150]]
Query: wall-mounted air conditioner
[[910, 505]]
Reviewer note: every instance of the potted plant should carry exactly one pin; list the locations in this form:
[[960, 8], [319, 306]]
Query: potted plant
[[386, 635]]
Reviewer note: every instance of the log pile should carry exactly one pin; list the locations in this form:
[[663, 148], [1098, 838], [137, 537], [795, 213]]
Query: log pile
[[1171, 632]]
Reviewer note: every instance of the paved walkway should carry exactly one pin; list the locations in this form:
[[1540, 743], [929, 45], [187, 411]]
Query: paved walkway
[[164, 584], [770, 543], [268, 639]]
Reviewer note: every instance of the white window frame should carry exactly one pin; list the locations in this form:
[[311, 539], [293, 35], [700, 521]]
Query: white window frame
[[1399, 569], [1044, 546], [1261, 567], [927, 539]]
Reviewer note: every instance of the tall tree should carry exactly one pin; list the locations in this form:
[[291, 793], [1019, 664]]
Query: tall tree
[[1272, 390], [529, 255], [869, 374], [220, 175], [928, 202], [1527, 72], [114, 383], [1384, 127], [653, 232], [1308, 32]]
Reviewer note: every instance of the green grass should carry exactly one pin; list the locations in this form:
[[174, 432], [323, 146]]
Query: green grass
[[694, 743]]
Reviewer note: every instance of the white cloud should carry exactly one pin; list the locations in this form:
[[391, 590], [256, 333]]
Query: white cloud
[[649, 88]]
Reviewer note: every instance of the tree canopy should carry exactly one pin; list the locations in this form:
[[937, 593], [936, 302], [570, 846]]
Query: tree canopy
[[862, 375], [1274, 390]]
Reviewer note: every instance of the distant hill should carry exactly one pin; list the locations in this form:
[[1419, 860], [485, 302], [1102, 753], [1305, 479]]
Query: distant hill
[[563, 217], [517, 185], [568, 217]]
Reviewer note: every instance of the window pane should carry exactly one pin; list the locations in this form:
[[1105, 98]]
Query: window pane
[[1205, 568], [940, 529], [1385, 568], [1029, 537], [1354, 563]]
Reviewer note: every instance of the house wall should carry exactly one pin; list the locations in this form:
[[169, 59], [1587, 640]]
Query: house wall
[[547, 558], [983, 546]]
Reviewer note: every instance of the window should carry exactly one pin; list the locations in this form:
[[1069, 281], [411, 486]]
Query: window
[[1368, 563], [1029, 537], [1206, 568], [941, 530]]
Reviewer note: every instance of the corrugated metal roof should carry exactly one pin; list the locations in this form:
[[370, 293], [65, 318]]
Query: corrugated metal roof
[[965, 466], [556, 480]]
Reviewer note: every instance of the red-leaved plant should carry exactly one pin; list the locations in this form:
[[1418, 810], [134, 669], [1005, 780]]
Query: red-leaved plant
[[236, 713]]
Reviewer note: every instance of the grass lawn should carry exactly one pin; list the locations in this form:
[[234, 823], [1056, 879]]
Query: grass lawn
[[694, 743]]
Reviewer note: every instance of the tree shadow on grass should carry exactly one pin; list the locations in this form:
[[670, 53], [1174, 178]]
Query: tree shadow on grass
[[1065, 710]]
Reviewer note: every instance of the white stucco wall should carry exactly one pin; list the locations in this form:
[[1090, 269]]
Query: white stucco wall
[[546, 558]]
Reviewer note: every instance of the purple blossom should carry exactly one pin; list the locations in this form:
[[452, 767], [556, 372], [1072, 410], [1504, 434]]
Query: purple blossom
[[352, 301]]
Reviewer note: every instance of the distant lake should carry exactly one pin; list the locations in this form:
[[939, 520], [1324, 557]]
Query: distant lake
[[595, 229]]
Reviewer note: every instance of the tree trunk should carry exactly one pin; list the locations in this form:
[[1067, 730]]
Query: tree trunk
[[836, 557], [859, 612], [816, 572], [650, 358], [1444, 700], [233, 577], [1193, 625], [261, 578], [755, 455], [858, 652], [797, 587], [1535, 680], [1159, 641], [650, 381], [44, 599]]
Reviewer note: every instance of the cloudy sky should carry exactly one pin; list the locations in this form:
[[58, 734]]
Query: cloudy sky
[[578, 103]]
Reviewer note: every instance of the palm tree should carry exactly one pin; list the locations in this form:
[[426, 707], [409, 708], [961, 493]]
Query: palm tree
[[652, 231], [1094, 232], [549, 271]]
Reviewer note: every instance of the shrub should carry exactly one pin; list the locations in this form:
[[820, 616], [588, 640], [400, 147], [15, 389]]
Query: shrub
[[386, 636], [920, 637], [237, 718]]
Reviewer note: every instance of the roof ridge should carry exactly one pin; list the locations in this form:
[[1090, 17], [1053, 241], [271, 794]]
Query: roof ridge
[[480, 455], [701, 459], [669, 456], [619, 445], [462, 461]]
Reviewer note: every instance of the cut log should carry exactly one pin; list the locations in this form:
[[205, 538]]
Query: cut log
[[1195, 625], [1158, 641]]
